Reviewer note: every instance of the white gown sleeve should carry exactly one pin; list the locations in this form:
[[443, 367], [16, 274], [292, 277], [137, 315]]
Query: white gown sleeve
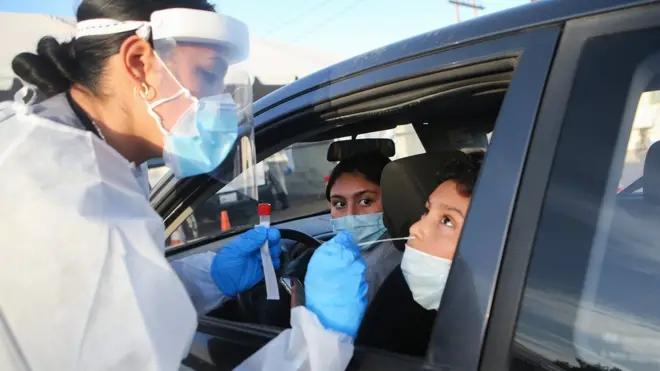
[[195, 273], [306, 346]]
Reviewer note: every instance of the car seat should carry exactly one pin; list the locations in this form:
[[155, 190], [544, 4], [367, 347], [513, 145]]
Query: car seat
[[651, 177], [649, 183], [406, 185]]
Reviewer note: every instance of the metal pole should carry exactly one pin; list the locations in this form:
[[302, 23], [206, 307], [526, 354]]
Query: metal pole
[[465, 3]]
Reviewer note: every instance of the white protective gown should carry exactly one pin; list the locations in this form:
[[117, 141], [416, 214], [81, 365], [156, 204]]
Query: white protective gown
[[84, 284]]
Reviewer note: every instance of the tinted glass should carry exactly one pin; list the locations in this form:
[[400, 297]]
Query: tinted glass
[[591, 301]]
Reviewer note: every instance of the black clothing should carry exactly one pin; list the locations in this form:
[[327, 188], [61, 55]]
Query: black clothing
[[396, 323]]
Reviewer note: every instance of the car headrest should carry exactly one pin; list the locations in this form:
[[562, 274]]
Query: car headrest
[[406, 185], [651, 177]]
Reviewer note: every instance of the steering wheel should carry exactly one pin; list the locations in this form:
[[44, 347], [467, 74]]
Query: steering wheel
[[305, 242], [252, 303]]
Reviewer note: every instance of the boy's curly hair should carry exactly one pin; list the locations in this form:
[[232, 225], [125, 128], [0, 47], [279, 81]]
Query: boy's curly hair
[[463, 168]]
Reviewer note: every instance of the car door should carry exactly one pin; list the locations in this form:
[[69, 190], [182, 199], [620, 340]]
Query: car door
[[224, 344], [578, 288]]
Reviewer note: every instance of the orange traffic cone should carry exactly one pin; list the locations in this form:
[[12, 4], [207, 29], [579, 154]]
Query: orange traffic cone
[[177, 238], [225, 225]]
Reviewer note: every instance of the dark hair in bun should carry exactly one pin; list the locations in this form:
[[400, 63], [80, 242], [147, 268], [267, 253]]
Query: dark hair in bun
[[56, 66], [49, 69]]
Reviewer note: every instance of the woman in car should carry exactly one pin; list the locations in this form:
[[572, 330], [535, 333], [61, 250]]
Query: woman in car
[[401, 316], [353, 191]]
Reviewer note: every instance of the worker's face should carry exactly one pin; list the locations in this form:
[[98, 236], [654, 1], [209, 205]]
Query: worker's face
[[136, 78], [200, 69], [438, 231], [353, 194]]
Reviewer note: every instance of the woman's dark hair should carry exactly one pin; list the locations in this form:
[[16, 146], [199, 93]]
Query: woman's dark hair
[[370, 165], [463, 168], [55, 67]]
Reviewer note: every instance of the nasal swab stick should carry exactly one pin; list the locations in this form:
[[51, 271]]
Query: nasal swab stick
[[385, 240], [272, 290]]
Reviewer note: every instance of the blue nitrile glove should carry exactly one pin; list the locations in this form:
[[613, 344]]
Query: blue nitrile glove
[[335, 285], [237, 266]]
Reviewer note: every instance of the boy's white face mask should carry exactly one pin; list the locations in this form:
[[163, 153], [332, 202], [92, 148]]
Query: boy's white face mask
[[426, 276]]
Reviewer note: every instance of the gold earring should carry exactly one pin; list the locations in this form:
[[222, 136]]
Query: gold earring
[[144, 91]]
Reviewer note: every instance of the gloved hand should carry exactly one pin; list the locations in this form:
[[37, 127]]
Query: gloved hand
[[335, 285], [237, 266]]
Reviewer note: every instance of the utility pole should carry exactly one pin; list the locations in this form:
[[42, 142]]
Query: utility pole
[[461, 3]]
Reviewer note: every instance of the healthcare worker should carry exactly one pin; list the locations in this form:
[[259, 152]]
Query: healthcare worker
[[84, 283]]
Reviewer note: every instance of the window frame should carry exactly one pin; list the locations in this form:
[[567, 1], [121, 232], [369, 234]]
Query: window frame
[[554, 137]]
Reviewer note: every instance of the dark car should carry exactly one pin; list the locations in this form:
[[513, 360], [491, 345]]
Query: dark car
[[567, 272]]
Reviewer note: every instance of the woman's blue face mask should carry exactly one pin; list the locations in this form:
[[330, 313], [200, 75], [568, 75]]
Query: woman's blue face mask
[[364, 228], [214, 130]]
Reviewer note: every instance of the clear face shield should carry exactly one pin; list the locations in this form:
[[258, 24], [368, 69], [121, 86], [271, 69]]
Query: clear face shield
[[198, 93]]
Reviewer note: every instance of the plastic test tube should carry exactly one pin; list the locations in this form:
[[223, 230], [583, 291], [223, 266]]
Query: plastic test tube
[[272, 290]]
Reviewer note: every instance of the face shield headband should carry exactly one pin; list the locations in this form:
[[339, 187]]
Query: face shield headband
[[181, 24]]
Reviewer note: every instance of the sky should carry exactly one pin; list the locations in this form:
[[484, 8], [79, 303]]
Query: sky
[[341, 27]]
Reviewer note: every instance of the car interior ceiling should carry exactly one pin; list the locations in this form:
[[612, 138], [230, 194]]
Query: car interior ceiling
[[466, 95]]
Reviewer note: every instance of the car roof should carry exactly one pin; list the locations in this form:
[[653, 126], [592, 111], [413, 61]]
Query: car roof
[[539, 13]]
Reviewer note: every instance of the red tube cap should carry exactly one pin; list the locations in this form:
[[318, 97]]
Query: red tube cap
[[264, 209]]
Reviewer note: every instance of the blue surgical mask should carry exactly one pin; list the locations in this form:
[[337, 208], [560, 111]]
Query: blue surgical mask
[[363, 228], [202, 137]]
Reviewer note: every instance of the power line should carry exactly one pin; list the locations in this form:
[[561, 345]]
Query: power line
[[465, 3], [328, 20], [299, 15]]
